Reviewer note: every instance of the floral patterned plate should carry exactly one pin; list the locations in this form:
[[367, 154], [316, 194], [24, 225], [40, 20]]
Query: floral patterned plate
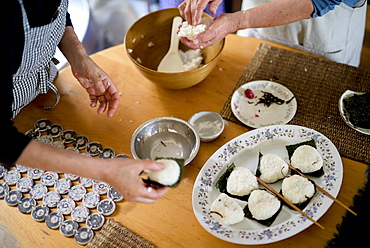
[[243, 151], [256, 115]]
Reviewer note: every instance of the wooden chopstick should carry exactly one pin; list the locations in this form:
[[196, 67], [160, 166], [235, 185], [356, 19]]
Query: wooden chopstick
[[288, 202], [323, 191]]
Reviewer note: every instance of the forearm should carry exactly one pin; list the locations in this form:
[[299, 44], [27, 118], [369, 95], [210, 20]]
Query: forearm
[[71, 46], [276, 13], [46, 157]]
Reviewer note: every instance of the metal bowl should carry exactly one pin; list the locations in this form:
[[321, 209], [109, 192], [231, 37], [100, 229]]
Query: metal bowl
[[165, 137]]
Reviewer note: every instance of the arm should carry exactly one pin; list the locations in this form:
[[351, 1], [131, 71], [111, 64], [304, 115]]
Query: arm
[[96, 82], [279, 12], [121, 173], [276, 13]]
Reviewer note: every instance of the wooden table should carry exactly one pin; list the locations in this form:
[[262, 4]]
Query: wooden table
[[170, 222]]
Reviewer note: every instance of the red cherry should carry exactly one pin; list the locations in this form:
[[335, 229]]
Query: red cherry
[[248, 94]]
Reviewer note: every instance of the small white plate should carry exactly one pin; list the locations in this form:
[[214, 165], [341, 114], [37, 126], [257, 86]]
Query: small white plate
[[256, 116], [345, 114]]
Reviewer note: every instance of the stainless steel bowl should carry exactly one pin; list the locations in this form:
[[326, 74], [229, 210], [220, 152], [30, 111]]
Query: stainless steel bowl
[[165, 137]]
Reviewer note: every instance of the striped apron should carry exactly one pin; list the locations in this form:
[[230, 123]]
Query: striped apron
[[36, 72]]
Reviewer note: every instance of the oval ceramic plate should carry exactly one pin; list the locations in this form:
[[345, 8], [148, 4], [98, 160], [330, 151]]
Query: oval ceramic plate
[[258, 115], [244, 151], [345, 114]]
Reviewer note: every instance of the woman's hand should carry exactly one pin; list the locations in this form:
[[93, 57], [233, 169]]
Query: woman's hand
[[192, 10], [98, 84], [221, 26], [124, 175]]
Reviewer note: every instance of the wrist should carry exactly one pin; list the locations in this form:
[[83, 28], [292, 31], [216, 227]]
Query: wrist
[[71, 47], [241, 20], [100, 169]]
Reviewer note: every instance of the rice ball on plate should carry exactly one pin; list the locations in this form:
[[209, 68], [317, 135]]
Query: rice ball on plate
[[307, 159], [241, 182], [297, 189], [226, 210], [263, 205], [272, 168], [189, 31], [169, 175]]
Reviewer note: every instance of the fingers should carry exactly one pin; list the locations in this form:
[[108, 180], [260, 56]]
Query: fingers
[[147, 194], [213, 6], [101, 91], [151, 194], [192, 10], [129, 181], [221, 26], [200, 41], [181, 8], [114, 99], [151, 165]]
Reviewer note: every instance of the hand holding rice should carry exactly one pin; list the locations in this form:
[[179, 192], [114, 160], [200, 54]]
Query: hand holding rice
[[189, 31], [170, 175]]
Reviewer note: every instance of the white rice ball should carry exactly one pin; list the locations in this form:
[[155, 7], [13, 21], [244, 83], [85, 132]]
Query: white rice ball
[[272, 168], [189, 31], [169, 175], [307, 159], [226, 210], [191, 59], [262, 204], [241, 182], [297, 189]]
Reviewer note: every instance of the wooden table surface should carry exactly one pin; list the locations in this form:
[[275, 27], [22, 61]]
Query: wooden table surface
[[170, 222]]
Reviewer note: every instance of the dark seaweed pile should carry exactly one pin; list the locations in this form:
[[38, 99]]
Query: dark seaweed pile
[[268, 98], [358, 107]]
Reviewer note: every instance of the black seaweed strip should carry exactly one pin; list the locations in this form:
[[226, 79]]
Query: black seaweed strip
[[267, 222], [222, 181], [148, 181], [317, 173], [242, 198], [258, 172]]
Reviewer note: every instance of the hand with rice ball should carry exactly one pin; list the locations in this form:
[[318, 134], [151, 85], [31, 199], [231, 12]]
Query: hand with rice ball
[[102, 91], [292, 23], [276, 13]]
